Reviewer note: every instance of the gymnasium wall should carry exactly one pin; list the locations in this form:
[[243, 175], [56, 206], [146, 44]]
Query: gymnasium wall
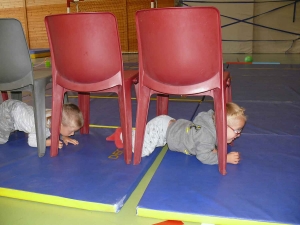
[[14, 9], [271, 27], [31, 13]]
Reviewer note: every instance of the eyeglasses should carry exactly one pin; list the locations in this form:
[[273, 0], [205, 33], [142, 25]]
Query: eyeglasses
[[235, 131]]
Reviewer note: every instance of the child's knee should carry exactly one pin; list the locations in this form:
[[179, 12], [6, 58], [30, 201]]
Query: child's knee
[[3, 141], [4, 136]]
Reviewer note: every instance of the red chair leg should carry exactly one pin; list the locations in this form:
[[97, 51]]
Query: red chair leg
[[57, 101], [4, 95], [221, 129], [162, 104], [84, 105], [126, 119], [141, 121]]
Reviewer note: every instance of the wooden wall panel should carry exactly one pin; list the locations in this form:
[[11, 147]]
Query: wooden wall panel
[[165, 3], [32, 13], [118, 8], [132, 7], [15, 9], [36, 24]]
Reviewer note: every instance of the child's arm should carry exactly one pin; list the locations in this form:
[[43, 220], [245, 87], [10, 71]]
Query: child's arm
[[206, 155], [67, 140], [232, 157]]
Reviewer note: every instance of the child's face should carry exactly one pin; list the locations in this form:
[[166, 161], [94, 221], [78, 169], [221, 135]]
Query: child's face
[[67, 131], [234, 128]]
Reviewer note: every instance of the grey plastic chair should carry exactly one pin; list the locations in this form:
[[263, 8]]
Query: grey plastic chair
[[17, 75]]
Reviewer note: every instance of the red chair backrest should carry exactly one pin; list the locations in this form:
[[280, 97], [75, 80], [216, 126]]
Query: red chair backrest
[[180, 48], [85, 47]]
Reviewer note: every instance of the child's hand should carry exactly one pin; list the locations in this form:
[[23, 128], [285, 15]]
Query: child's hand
[[67, 140], [233, 157], [48, 143]]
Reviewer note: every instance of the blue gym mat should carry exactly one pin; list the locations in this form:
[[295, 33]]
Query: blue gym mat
[[264, 188], [91, 175]]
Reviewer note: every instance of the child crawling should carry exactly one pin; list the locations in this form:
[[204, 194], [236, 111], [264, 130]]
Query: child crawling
[[17, 115], [193, 138]]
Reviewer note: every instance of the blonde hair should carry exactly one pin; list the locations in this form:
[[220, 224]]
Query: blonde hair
[[71, 116], [234, 111]]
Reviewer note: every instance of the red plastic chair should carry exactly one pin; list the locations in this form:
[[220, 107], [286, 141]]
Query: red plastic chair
[[180, 52], [86, 57]]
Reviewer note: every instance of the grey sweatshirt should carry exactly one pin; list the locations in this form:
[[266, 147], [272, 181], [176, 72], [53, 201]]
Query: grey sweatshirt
[[196, 138]]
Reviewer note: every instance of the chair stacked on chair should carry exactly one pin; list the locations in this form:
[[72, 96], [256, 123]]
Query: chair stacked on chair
[[180, 53], [86, 57]]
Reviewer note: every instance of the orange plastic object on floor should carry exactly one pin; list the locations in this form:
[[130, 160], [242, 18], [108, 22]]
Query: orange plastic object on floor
[[180, 53], [86, 57]]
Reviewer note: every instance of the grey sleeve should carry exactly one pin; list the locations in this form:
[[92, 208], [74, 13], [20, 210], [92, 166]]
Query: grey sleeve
[[205, 142], [206, 157], [204, 151]]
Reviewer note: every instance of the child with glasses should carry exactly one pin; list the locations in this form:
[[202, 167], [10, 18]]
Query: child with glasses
[[192, 138]]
